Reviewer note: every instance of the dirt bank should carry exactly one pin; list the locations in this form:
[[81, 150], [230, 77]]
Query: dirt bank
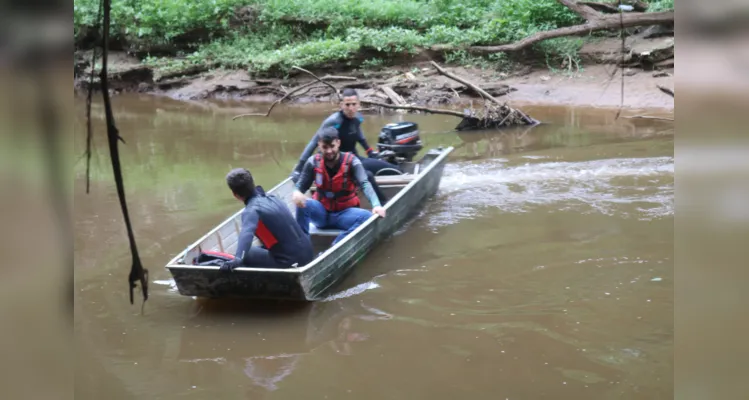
[[593, 84]]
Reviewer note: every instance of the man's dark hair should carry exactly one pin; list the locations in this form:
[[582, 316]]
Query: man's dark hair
[[327, 134], [241, 183], [348, 92]]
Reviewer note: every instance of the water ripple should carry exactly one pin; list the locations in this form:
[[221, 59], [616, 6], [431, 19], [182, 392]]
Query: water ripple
[[641, 188]]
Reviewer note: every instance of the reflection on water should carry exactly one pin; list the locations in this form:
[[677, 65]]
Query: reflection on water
[[542, 268]]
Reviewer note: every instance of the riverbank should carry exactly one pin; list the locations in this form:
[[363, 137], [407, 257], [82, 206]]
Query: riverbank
[[418, 83]]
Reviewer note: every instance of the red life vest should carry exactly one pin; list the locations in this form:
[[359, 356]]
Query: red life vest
[[339, 192]]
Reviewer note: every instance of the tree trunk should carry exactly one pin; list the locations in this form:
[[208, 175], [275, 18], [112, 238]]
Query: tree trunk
[[600, 23], [595, 21]]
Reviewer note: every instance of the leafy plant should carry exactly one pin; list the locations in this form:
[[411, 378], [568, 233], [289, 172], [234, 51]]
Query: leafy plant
[[281, 33]]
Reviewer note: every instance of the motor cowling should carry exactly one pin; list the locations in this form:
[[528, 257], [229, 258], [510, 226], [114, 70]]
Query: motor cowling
[[402, 138]]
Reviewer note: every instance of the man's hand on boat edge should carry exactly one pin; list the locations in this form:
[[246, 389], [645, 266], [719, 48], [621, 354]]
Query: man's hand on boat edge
[[379, 211]]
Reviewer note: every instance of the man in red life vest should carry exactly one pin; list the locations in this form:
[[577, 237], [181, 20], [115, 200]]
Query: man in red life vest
[[336, 175], [267, 217]]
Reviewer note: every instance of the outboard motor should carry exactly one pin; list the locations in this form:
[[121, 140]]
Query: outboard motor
[[401, 139]]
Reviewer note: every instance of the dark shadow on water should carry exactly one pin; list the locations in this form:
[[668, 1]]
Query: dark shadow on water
[[252, 307]]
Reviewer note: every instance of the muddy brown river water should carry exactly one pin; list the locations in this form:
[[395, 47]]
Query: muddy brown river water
[[543, 268]]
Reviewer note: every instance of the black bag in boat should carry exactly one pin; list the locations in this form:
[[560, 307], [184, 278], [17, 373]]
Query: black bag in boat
[[212, 258]]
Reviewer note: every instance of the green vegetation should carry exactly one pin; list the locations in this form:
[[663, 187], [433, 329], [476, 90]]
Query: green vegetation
[[272, 35]]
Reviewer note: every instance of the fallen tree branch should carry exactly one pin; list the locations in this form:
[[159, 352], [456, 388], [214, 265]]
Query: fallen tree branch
[[394, 97], [414, 108], [613, 7], [503, 106], [595, 21], [598, 24], [649, 117], [320, 80], [666, 90], [296, 90], [275, 103], [493, 117], [473, 87]]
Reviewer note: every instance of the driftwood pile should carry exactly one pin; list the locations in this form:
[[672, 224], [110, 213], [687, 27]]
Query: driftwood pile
[[384, 96]]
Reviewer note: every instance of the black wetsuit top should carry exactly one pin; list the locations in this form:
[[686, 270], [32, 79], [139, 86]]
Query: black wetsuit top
[[349, 132], [268, 218]]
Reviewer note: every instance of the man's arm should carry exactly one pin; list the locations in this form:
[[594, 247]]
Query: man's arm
[[360, 174], [361, 139], [311, 146], [250, 219], [306, 177], [333, 120]]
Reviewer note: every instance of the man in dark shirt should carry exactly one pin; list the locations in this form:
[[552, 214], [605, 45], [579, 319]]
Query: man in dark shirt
[[337, 175], [267, 217], [347, 122]]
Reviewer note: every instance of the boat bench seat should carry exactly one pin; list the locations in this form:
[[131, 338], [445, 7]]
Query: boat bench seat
[[314, 230]]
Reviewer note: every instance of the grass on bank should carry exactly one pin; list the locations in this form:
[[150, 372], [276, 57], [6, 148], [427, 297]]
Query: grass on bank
[[269, 36]]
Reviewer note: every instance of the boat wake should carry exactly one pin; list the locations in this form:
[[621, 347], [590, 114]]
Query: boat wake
[[641, 188], [354, 291]]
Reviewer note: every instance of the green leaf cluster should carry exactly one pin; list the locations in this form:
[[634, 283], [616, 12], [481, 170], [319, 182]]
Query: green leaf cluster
[[282, 33]]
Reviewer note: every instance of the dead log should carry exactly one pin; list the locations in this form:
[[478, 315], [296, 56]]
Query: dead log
[[637, 5], [394, 97], [415, 108], [650, 117], [595, 21], [493, 115], [470, 85], [489, 119]]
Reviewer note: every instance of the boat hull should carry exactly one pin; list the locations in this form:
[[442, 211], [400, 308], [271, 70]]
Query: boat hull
[[312, 281]]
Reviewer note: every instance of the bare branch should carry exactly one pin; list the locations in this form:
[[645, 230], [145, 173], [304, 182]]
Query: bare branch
[[415, 108], [465, 82], [277, 102], [503, 106], [320, 80], [296, 90]]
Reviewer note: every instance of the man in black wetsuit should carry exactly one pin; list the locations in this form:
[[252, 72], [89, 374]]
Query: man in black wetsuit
[[268, 218], [348, 123]]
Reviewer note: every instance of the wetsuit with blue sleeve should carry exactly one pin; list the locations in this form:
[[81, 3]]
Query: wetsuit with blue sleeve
[[284, 243], [349, 133]]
